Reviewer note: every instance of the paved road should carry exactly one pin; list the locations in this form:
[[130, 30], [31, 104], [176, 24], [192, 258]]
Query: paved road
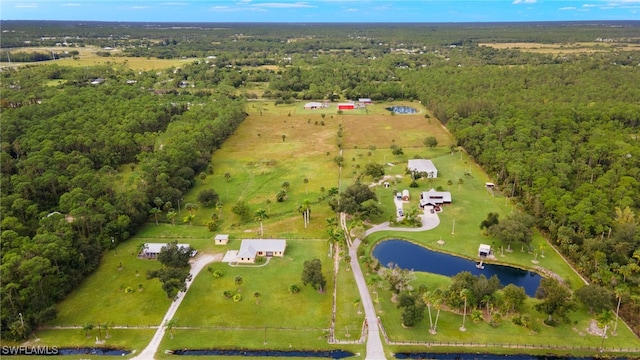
[[429, 221], [375, 350], [196, 265]]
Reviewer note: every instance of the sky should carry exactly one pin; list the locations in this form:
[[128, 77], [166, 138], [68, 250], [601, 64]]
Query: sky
[[318, 11]]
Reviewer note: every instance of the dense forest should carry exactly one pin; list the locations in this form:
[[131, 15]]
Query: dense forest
[[560, 133], [61, 145]]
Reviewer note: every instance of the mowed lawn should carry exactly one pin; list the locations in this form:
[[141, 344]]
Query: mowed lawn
[[300, 318]]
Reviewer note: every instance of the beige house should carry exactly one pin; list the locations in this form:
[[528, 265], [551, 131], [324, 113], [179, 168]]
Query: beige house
[[221, 239], [251, 249]]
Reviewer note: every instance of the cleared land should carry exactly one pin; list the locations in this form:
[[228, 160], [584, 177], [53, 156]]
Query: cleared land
[[88, 57], [572, 48], [259, 161]]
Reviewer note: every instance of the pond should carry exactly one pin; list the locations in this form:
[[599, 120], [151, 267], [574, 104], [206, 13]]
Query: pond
[[397, 109], [411, 256]]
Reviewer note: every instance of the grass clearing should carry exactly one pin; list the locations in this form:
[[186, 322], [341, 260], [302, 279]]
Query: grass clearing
[[572, 48], [259, 160], [88, 57]]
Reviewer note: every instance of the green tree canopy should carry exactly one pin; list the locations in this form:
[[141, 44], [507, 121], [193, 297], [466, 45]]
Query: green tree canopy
[[174, 256], [312, 274]]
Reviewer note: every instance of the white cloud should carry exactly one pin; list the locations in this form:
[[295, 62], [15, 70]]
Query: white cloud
[[282, 5], [524, 1], [175, 4], [567, 8], [70, 4], [589, 5], [23, 6], [352, 10]]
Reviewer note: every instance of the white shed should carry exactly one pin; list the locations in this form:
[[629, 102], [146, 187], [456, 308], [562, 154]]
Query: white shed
[[484, 250], [221, 239]]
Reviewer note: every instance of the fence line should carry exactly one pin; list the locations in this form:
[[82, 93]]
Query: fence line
[[505, 345]]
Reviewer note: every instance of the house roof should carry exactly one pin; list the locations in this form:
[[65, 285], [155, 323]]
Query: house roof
[[484, 248], [422, 165], [155, 248], [435, 197], [222, 237], [313, 104], [249, 247]]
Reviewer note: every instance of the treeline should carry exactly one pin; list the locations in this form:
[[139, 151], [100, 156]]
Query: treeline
[[174, 40], [559, 134], [63, 200], [564, 140]]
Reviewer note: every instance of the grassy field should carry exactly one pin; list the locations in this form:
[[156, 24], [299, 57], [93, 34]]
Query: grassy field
[[259, 160], [572, 48], [88, 57]]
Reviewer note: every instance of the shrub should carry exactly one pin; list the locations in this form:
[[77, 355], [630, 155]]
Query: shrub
[[294, 288], [218, 274], [237, 297], [228, 294]]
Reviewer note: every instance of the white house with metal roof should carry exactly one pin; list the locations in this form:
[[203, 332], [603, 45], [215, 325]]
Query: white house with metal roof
[[151, 250], [434, 198], [422, 168], [250, 249]]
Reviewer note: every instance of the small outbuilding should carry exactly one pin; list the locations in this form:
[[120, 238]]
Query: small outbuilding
[[346, 106], [405, 195], [484, 250], [221, 239]]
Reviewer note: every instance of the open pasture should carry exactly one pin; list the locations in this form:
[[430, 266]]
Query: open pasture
[[383, 130], [571, 48], [88, 57]]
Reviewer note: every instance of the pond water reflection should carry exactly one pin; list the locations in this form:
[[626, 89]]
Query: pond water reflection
[[411, 256]]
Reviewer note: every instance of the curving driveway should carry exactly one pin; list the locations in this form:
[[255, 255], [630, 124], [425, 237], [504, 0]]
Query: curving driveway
[[375, 350], [151, 349]]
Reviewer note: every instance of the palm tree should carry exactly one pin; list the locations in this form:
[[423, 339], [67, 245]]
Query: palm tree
[[257, 295], [261, 214], [155, 212], [105, 326], [603, 320], [171, 215], [305, 210], [219, 206], [620, 291], [227, 176], [171, 325], [191, 207], [189, 219], [238, 281], [437, 303], [306, 187], [427, 297], [464, 294], [87, 327]]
